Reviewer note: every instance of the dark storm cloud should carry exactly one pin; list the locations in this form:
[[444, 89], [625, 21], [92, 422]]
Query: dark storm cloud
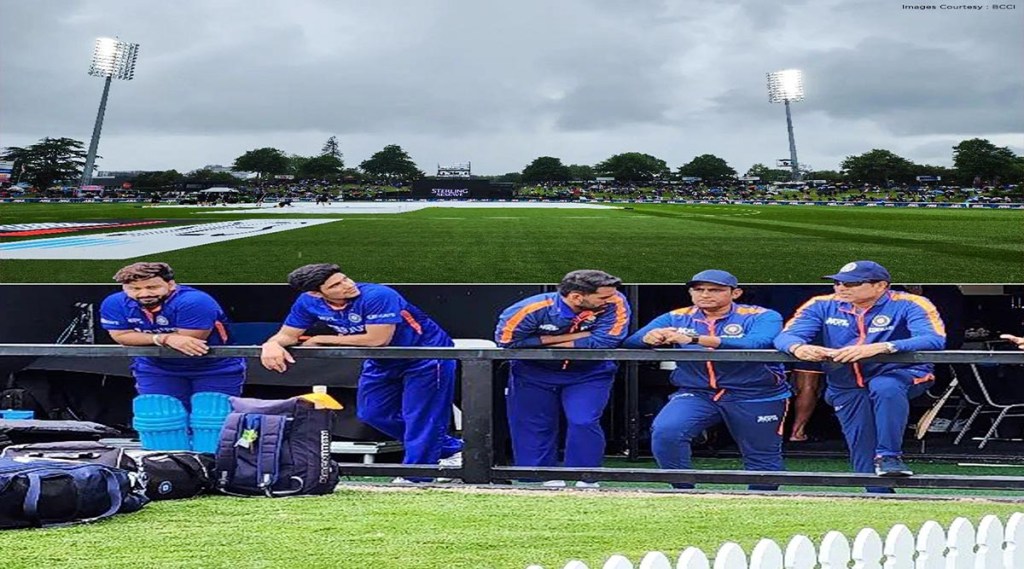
[[497, 82]]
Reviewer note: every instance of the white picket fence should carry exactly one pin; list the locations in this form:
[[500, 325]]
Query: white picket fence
[[992, 546]]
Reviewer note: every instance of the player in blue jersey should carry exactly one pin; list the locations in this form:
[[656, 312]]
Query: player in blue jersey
[[751, 398], [152, 309], [861, 319], [587, 312], [410, 400]]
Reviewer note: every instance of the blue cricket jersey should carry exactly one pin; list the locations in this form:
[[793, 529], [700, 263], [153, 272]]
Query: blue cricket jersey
[[185, 308], [745, 327], [376, 304], [909, 321], [522, 324]]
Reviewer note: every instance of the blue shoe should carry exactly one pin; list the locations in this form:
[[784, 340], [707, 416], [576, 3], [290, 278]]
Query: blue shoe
[[892, 466]]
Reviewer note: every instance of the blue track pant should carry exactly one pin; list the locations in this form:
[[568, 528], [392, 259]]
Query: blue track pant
[[756, 427], [413, 404], [536, 399], [874, 418], [182, 387]]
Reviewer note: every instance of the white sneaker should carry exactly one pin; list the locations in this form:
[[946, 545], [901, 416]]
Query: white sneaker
[[584, 484], [554, 483], [401, 480], [453, 461]]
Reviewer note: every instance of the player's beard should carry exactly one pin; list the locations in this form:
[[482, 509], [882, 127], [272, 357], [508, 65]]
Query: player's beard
[[152, 301]]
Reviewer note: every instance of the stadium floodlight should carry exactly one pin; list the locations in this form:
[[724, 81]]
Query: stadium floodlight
[[111, 59], [785, 86]]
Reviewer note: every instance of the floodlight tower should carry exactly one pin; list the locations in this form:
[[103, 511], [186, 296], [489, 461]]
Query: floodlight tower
[[111, 59], [785, 86]]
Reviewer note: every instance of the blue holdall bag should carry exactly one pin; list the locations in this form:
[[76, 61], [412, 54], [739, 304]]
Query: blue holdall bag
[[276, 448], [46, 493]]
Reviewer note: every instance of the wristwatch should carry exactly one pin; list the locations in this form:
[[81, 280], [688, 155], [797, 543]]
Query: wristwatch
[[890, 348]]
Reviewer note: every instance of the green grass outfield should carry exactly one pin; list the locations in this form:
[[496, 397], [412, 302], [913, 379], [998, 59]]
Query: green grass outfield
[[644, 244], [458, 528]]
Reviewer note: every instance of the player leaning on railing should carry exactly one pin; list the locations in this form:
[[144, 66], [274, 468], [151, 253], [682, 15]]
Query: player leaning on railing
[[410, 400], [861, 319]]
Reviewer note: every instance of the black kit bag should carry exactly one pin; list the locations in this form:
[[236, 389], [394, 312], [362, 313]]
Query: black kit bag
[[174, 475], [166, 475], [80, 451], [47, 493]]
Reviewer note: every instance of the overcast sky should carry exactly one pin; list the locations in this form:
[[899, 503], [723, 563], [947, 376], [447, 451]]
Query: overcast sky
[[501, 83]]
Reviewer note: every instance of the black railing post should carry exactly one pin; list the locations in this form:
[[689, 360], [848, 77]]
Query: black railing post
[[477, 421], [633, 384]]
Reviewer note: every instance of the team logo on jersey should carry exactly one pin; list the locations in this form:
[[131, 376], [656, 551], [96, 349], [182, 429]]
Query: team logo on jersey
[[833, 321], [355, 318], [767, 418], [881, 320], [848, 267], [732, 330], [548, 327], [162, 320], [686, 331]]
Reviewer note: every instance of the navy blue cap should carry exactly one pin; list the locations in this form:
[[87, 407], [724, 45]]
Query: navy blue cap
[[860, 271], [714, 276]]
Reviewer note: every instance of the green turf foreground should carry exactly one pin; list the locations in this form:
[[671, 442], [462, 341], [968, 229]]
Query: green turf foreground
[[639, 243], [435, 528]]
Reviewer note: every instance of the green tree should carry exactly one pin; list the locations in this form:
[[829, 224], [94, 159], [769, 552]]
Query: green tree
[[581, 173], [632, 167], [978, 157], [160, 180], [546, 169], [48, 161], [513, 177], [391, 163], [325, 166], [827, 175], [878, 167], [295, 163], [209, 176], [331, 148], [707, 167], [264, 161], [769, 175]]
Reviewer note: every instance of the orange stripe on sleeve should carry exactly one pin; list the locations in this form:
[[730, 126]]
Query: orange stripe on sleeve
[[221, 331], [684, 311], [510, 327], [621, 316], [411, 322], [804, 307], [928, 307]]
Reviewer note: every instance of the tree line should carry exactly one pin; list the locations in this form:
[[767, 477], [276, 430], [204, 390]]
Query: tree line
[[54, 160]]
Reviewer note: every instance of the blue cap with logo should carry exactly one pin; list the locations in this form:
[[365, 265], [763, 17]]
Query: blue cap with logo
[[714, 276], [860, 271]]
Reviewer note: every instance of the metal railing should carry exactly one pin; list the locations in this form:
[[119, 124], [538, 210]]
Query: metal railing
[[478, 400]]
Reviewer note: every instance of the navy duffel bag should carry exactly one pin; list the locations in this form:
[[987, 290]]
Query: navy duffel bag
[[46, 493]]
